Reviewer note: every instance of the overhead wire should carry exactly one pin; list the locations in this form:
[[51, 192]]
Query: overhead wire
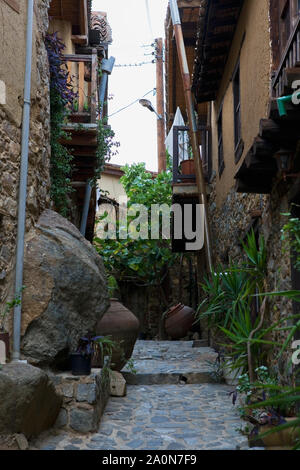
[[131, 104]]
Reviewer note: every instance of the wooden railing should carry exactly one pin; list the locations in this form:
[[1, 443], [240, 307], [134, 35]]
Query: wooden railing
[[83, 70], [291, 59]]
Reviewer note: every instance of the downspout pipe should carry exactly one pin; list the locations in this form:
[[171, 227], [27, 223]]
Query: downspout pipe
[[107, 66], [283, 100], [193, 131], [23, 187]]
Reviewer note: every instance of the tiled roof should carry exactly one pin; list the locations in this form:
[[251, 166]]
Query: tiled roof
[[99, 23]]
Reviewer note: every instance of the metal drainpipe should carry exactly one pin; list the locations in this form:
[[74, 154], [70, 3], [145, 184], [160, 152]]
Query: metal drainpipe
[[23, 186], [186, 80], [107, 66]]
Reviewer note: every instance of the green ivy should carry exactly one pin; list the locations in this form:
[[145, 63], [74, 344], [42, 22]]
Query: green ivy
[[61, 159], [106, 147], [291, 238], [145, 262]]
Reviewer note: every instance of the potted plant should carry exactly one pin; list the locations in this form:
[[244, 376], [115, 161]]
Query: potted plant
[[81, 360], [270, 410], [187, 167], [91, 349]]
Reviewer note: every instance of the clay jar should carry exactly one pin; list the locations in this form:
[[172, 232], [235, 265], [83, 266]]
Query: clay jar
[[123, 327], [179, 321]]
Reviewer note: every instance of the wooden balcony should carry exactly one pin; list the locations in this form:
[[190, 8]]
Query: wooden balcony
[[83, 70], [82, 128], [289, 68]]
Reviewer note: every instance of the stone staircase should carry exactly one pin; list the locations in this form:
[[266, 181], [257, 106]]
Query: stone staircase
[[170, 362]]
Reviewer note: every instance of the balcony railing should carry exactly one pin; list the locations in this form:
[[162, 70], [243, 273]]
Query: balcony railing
[[181, 152], [291, 59], [84, 72]]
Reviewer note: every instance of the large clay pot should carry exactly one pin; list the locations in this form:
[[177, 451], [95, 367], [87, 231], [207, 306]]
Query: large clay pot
[[178, 321], [123, 327]]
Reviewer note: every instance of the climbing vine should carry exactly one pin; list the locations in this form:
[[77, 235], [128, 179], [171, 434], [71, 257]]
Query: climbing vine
[[62, 98], [107, 147]]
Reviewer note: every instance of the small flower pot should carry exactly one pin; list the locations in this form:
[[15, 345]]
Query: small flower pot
[[187, 167], [81, 365], [285, 438]]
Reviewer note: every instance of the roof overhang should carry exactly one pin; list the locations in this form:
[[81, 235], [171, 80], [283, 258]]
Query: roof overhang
[[75, 11], [216, 29], [189, 13]]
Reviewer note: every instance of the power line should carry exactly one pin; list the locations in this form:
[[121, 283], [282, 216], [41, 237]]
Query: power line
[[135, 65], [131, 104]]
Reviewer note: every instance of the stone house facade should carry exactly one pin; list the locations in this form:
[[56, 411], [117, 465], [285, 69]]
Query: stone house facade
[[86, 36], [246, 56], [13, 16]]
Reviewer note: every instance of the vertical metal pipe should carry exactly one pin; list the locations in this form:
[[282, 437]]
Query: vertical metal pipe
[[86, 206], [161, 137], [23, 186], [186, 79]]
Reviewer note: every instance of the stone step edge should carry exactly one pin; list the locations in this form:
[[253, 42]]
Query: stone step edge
[[172, 378]]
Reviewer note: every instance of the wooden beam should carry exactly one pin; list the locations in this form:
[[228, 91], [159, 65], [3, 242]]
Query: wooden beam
[[82, 40], [78, 57], [189, 3], [81, 87], [94, 87], [263, 148], [84, 18], [250, 188]]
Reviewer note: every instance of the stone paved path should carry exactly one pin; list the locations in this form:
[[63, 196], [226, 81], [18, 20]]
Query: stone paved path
[[161, 412]]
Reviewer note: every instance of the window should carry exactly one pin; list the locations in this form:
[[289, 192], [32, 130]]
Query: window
[[14, 4], [220, 143], [238, 143]]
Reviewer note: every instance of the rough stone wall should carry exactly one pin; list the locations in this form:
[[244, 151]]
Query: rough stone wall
[[39, 156], [231, 222]]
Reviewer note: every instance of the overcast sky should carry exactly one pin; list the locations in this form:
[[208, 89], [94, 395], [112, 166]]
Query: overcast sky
[[135, 127]]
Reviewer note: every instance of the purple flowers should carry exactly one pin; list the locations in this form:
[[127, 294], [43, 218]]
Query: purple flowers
[[60, 80]]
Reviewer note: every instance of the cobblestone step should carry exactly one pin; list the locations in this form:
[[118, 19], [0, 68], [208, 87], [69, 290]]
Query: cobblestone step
[[170, 362], [157, 414]]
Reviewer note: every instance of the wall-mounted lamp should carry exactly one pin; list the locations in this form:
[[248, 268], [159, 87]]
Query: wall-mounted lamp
[[284, 158], [147, 104]]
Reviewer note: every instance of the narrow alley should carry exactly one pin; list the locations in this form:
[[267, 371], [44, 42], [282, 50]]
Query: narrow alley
[[149, 227], [162, 411]]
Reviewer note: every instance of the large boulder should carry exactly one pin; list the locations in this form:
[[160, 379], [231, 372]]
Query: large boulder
[[29, 403], [65, 293]]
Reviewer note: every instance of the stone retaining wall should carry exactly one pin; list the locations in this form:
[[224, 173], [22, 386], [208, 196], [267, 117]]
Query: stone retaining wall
[[84, 399]]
